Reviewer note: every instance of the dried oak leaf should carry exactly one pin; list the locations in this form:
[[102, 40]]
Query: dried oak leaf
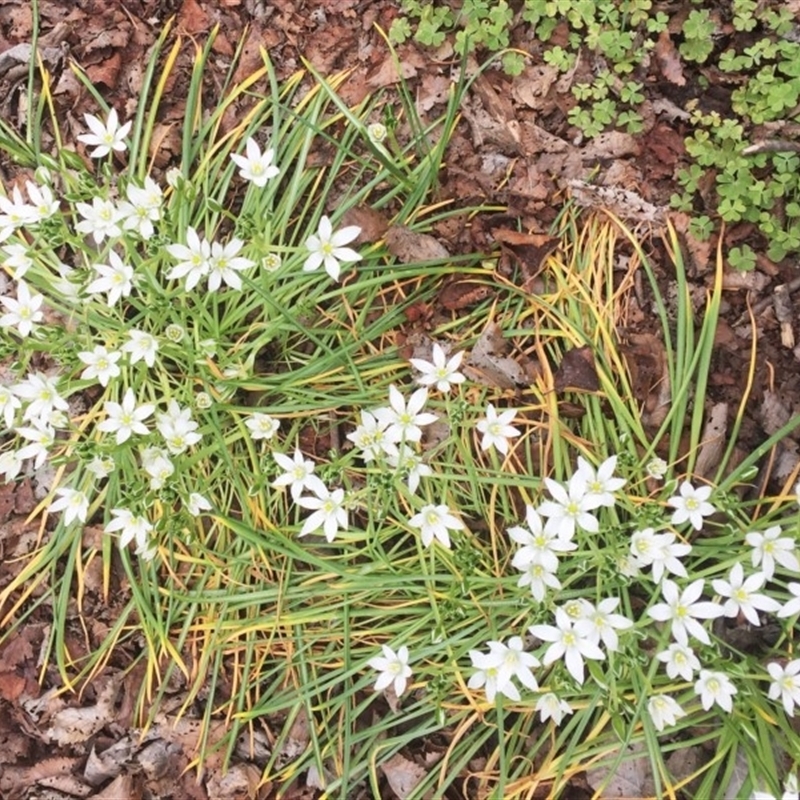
[[463, 293], [411, 247], [529, 249], [373, 224], [577, 371], [668, 60], [74, 725], [402, 774], [192, 18], [489, 365]]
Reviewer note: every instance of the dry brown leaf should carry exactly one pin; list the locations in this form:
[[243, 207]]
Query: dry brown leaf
[[632, 778], [18, 663], [117, 35], [532, 86], [774, 412], [101, 767], [387, 74], [463, 293], [787, 463], [74, 725], [192, 18], [611, 144], [487, 129], [17, 781], [625, 203], [668, 60], [106, 72], [488, 363], [67, 785], [714, 441], [240, 781], [373, 223], [752, 281], [403, 775], [411, 247], [497, 103], [121, 786], [577, 371], [529, 249], [434, 89], [646, 360], [166, 143], [157, 759]]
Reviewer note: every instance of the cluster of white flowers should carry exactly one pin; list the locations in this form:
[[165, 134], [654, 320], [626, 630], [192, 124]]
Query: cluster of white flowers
[[570, 509], [328, 507], [582, 630], [390, 436], [15, 213], [199, 259], [108, 222], [568, 636]]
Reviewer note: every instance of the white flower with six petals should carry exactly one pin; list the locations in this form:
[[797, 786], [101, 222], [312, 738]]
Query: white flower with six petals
[[683, 609], [434, 522], [497, 428], [742, 595], [105, 136], [393, 668], [691, 505], [256, 167], [567, 642], [74, 504], [329, 513], [441, 372], [327, 248], [715, 687]]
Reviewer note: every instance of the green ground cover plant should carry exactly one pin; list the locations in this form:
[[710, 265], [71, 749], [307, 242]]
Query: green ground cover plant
[[314, 525], [750, 43]]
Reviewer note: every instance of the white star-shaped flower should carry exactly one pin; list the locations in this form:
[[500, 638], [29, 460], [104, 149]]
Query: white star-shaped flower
[[742, 595], [403, 420], [256, 167], [329, 514], [601, 483], [567, 642], [664, 710], [441, 372], [298, 474], [105, 136], [101, 364], [770, 548], [393, 668], [435, 522], [715, 687], [683, 609], [497, 428], [22, 312], [691, 505], [327, 248], [74, 504], [126, 418]]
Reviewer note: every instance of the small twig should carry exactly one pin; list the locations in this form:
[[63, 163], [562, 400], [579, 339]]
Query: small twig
[[766, 302], [771, 146], [784, 313]]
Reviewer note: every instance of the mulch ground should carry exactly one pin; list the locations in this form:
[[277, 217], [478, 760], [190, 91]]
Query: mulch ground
[[513, 150]]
